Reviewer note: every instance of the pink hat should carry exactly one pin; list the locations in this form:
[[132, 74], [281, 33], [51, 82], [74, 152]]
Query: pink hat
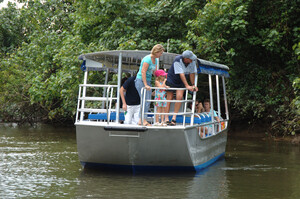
[[160, 73]]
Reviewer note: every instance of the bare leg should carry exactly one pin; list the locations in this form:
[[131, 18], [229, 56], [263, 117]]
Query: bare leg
[[179, 95], [165, 116], [145, 123], [169, 97], [159, 110], [157, 116]]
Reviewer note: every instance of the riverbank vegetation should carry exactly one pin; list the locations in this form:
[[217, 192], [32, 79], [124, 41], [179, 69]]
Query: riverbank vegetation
[[259, 41]]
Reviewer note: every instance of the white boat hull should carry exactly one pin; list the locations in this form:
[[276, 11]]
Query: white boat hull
[[149, 147]]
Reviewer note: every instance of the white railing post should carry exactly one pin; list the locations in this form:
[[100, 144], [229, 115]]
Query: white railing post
[[84, 92], [143, 96], [225, 98], [155, 111], [194, 98], [78, 104], [118, 89], [105, 83], [211, 102], [184, 110], [218, 100]]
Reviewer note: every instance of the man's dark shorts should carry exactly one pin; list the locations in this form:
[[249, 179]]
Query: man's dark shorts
[[174, 86]]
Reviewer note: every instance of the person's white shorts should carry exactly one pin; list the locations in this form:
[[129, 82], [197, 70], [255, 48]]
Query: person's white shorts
[[132, 115]]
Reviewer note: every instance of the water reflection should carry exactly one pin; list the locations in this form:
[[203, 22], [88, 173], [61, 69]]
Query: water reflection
[[262, 169], [208, 183], [33, 161], [42, 162]]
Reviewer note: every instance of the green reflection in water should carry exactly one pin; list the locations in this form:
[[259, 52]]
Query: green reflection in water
[[38, 162], [42, 162], [262, 169]]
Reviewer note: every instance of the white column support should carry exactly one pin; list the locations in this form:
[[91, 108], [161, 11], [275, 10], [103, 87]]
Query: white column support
[[218, 100], [225, 98], [184, 109], [84, 92], [119, 86], [211, 102], [194, 98], [143, 96], [104, 89]]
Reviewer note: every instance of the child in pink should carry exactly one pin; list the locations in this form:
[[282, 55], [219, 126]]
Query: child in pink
[[160, 94]]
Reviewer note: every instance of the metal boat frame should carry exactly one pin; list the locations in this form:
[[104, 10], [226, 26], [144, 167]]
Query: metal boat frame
[[103, 141]]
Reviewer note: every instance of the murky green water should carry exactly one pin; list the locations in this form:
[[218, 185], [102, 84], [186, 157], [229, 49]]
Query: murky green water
[[42, 162]]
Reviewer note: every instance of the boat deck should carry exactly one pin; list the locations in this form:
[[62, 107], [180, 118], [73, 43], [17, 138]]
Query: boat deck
[[203, 118]]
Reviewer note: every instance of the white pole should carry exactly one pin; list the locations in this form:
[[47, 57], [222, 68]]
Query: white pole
[[218, 99], [194, 99], [211, 102], [84, 92], [143, 95], [104, 90], [119, 85], [225, 99]]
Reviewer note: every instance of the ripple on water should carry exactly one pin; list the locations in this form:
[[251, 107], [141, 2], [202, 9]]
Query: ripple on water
[[254, 168]]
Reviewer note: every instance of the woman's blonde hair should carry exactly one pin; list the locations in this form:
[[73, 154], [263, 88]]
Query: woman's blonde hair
[[157, 48]]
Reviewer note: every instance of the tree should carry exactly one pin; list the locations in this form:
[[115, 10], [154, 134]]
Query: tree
[[255, 39], [124, 24], [11, 31]]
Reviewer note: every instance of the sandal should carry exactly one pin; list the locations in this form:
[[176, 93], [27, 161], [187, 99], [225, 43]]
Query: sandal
[[164, 124], [172, 123], [146, 124]]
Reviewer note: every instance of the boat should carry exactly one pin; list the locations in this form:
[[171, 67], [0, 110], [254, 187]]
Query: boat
[[104, 141]]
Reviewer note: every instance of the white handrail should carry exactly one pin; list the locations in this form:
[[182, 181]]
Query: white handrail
[[82, 98], [109, 100], [143, 96]]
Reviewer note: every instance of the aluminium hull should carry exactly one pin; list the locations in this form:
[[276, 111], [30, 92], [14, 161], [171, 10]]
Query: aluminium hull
[[165, 147]]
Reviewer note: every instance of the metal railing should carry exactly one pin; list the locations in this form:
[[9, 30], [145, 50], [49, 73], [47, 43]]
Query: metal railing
[[82, 98], [108, 100], [185, 101]]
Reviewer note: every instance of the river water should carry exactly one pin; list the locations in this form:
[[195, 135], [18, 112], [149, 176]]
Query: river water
[[42, 162]]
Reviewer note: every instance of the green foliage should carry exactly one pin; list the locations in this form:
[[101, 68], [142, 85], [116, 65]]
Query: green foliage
[[11, 31], [43, 74], [46, 38], [124, 24], [289, 121], [255, 38], [296, 48], [296, 101], [258, 40]]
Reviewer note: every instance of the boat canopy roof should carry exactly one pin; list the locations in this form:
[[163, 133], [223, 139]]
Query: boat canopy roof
[[131, 60]]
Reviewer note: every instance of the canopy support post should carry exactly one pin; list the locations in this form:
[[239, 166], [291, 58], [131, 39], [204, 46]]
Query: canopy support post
[[104, 90], [211, 102], [225, 98], [84, 93], [119, 86], [218, 99]]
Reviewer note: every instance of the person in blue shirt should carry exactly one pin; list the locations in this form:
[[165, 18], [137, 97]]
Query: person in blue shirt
[[183, 65], [209, 111], [130, 101], [149, 65]]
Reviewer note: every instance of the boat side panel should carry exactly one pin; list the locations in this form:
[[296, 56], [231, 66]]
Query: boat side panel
[[154, 147], [95, 145], [204, 150]]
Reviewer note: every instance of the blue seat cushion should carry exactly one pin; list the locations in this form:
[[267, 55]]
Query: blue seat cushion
[[103, 116]]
